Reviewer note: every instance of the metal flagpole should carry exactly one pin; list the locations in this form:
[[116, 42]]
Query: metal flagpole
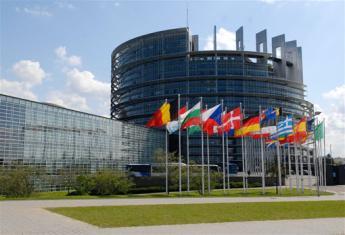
[[227, 159], [289, 160], [208, 161], [187, 133], [262, 156], [179, 148], [246, 162], [222, 101], [202, 151], [316, 161], [324, 153], [166, 160], [242, 148], [302, 171], [296, 163], [309, 168], [279, 168]]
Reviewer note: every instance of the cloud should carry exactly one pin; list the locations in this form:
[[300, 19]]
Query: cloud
[[85, 82], [30, 72], [334, 114], [65, 5], [68, 100], [71, 60], [34, 11], [18, 89], [226, 40], [269, 1]]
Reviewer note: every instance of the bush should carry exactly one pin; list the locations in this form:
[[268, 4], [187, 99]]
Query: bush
[[106, 182], [16, 182]]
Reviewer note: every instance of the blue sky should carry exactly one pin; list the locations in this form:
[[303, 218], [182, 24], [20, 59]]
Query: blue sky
[[59, 51]]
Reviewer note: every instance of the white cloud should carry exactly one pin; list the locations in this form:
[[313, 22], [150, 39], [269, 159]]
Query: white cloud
[[66, 5], [226, 40], [15, 88], [71, 60], [68, 100], [269, 1], [85, 82], [30, 72], [334, 114], [35, 11]]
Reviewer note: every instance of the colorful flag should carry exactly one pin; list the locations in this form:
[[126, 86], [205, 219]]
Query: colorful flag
[[300, 131], [160, 117], [232, 120], [193, 117], [212, 118], [249, 125], [284, 128], [265, 132], [319, 131], [174, 125]]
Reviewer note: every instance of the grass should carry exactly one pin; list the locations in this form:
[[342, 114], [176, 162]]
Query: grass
[[253, 192], [145, 215]]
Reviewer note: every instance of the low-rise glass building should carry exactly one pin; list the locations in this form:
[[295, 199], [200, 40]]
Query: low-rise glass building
[[55, 140]]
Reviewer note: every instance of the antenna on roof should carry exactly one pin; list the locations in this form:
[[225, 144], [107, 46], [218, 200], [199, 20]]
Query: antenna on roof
[[187, 15]]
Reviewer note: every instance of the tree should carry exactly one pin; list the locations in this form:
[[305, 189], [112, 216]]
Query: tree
[[17, 182]]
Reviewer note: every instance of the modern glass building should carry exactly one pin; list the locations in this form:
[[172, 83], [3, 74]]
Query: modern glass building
[[62, 141], [157, 66]]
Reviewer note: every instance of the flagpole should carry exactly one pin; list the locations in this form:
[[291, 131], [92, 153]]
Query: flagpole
[[187, 133], [222, 102], [302, 171], [166, 160], [309, 168], [227, 159], [242, 148], [279, 166], [316, 164], [289, 160], [208, 161], [179, 148], [296, 164], [324, 151], [202, 151], [262, 156]]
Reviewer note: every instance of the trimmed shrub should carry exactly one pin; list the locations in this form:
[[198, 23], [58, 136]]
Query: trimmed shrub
[[106, 182]]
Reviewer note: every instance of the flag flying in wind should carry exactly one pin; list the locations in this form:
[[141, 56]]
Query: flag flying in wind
[[160, 117], [269, 114], [319, 131], [193, 117], [174, 125], [265, 132], [212, 119], [250, 125], [231, 120], [299, 132]]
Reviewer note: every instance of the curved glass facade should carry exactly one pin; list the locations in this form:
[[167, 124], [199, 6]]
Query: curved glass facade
[[157, 66]]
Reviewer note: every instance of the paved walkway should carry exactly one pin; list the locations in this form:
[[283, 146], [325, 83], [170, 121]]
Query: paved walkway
[[29, 217]]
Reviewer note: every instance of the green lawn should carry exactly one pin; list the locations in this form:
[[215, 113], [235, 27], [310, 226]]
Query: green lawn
[[215, 193], [144, 215]]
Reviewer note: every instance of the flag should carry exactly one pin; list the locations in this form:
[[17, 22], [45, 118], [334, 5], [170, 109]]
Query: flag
[[249, 125], [174, 125], [300, 131], [284, 128], [231, 120], [193, 129], [193, 117], [271, 143], [269, 114], [319, 131], [160, 117], [211, 119], [265, 132]]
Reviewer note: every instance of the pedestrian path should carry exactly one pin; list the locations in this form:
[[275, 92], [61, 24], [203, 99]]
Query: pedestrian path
[[30, 217]]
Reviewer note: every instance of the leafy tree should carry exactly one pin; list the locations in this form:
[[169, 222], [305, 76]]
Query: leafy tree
[[17, 182]]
